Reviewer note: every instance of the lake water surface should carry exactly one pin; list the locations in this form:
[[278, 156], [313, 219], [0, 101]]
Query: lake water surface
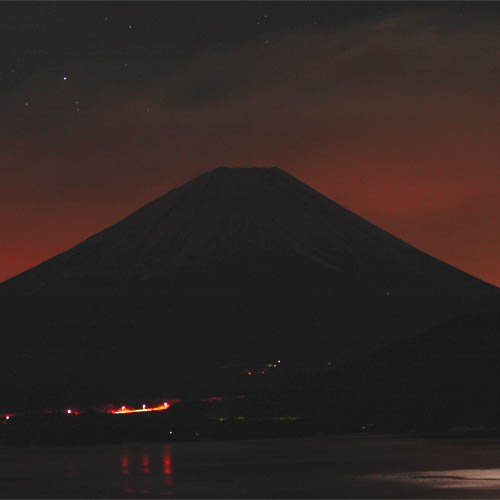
[[310, 467]]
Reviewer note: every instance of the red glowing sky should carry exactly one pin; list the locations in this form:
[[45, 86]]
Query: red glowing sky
[[397, 119]]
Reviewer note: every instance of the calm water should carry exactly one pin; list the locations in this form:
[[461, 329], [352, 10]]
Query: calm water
[[321, 467]]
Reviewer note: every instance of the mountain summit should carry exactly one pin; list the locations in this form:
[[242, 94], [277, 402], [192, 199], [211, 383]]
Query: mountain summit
[[237, 264]]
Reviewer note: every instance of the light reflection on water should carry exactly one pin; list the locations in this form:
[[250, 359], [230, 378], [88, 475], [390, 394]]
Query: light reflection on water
[[145, 462], [144, 468], [309, 467], [459, 478], [124, 470], [167, 466]]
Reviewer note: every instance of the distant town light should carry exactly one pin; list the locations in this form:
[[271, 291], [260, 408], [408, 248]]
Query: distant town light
[[279, 361], [123, 409], [7, 417], [68, 411]]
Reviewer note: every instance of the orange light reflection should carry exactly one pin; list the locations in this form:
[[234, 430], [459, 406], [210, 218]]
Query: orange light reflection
[[125, 470], [167, 465], [167, 468], [145, 462]]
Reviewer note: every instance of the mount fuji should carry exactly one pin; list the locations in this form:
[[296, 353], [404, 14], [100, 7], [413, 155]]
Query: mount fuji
[[237, 266]]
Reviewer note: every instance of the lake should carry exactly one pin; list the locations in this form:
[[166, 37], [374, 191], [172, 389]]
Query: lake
[[355, 466]]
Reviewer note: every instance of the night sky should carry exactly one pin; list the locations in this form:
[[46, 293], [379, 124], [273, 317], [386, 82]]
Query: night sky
[[390, 109]]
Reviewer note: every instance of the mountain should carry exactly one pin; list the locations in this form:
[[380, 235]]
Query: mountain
[[239, 265]]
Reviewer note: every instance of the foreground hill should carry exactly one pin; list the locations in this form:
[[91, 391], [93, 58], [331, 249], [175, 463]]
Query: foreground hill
[[447, 377], [238, 266]]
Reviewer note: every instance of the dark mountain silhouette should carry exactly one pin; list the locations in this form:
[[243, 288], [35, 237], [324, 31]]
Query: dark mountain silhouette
[[446, 377], [238, 266]]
